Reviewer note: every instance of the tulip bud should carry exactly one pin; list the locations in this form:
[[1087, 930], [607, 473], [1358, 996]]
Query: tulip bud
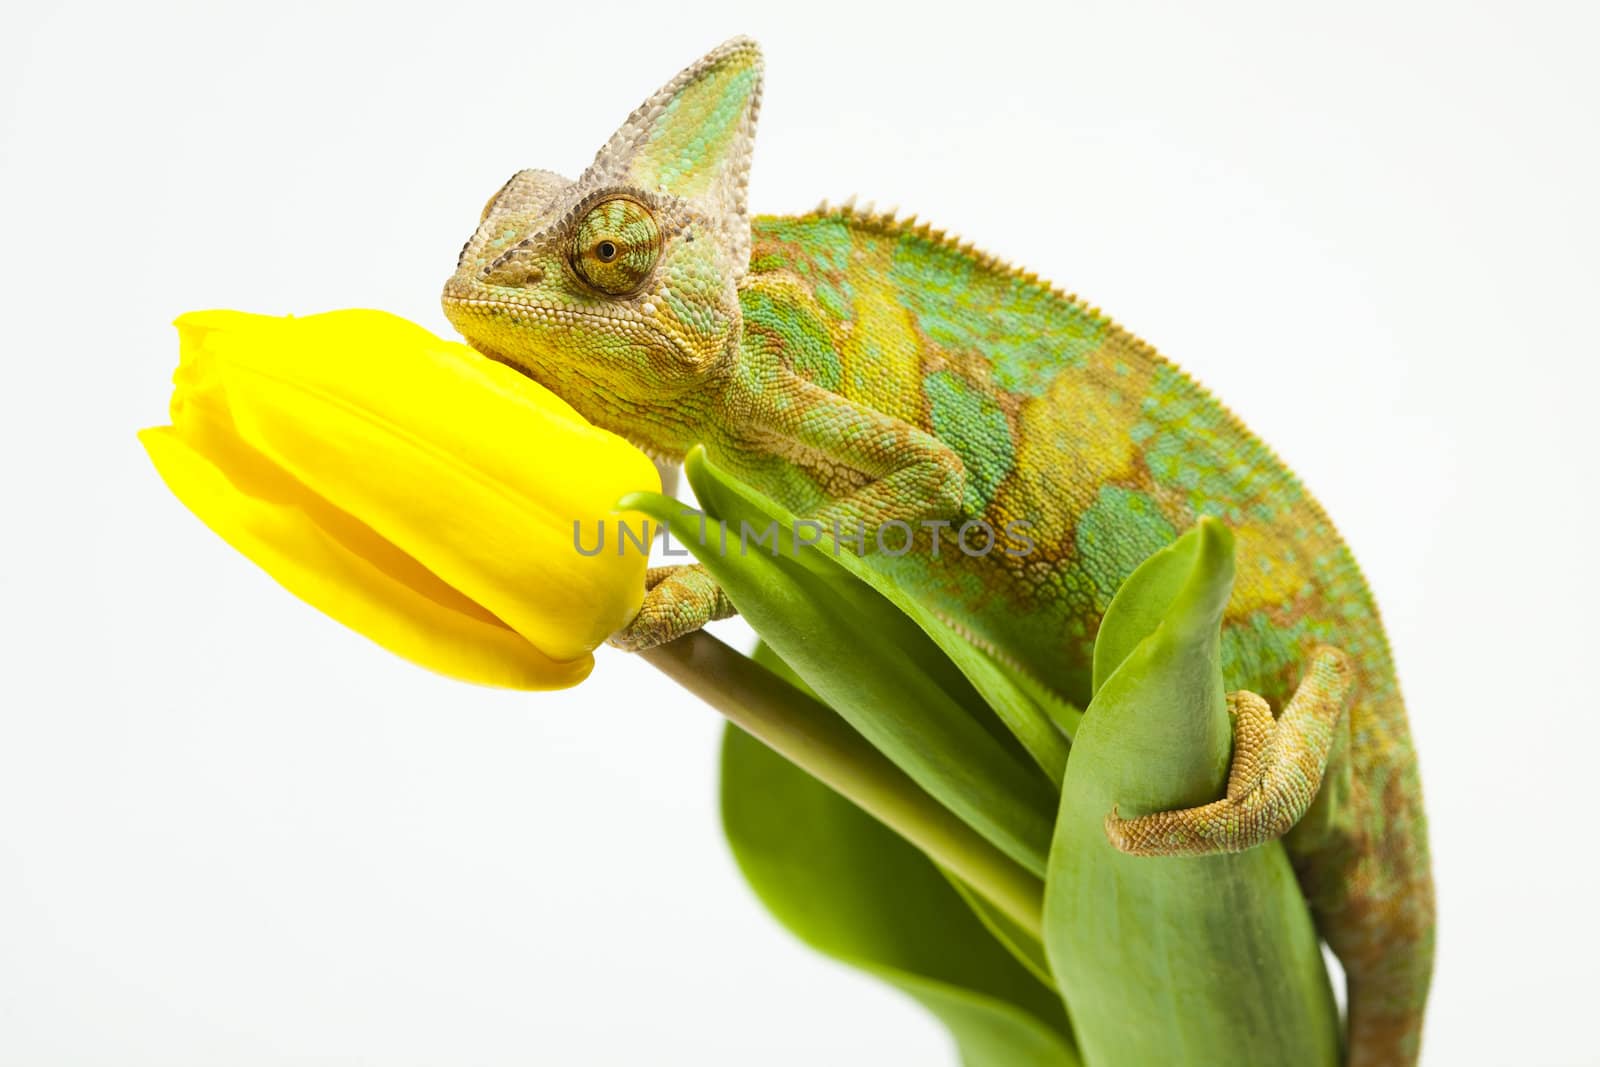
[[407, 486]]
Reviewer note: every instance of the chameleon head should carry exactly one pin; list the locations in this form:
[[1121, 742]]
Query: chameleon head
[[619, 291]]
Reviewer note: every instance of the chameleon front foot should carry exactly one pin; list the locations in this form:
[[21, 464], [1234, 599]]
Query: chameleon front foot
[[1276, 771], [677, 601]]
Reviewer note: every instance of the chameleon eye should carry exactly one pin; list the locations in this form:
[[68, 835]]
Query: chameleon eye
[[616, 245]]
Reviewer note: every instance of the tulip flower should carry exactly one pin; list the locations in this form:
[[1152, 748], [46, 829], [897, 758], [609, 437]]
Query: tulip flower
[[417, 492]]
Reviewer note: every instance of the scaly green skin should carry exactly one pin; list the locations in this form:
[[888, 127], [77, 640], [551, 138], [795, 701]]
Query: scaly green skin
[[864, 370]]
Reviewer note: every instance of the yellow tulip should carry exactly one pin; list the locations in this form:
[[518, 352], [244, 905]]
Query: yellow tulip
[[417, 492]]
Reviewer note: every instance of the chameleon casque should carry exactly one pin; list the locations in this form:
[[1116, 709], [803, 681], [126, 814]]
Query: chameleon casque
[[861, 369]]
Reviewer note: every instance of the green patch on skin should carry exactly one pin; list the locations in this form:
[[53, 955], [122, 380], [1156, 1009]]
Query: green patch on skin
[[1190, 446], [831, 300], [689, 313], [951, 576], [1254, 649], [507, 235], [1120, 530], [803, 339], [965, 306], [770, 261], [708, 135], [824, 241], [969, 421]]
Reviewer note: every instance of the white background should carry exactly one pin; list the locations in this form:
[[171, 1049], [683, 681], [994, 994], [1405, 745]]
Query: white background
[[233, 833]]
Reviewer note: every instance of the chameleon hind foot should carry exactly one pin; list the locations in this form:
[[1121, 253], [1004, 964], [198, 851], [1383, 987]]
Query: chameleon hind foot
[[677, 601], [1276, 771]]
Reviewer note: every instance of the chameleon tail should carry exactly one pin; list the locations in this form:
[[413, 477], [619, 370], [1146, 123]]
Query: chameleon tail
[[1371, 893]]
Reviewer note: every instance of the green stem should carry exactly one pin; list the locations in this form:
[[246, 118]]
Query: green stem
[[813, 738]]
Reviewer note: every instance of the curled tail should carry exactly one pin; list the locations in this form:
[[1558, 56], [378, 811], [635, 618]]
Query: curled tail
[[1368, 877]]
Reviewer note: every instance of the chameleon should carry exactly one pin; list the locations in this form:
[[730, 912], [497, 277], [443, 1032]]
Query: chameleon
[[864, 369]]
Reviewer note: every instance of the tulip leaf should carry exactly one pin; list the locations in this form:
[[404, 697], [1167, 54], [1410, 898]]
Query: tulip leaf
[[1023, 944], [855, 891], [869, 662], [1026, 705], [1203, 960]]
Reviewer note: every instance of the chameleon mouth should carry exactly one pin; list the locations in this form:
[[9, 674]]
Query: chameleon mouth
[[503, 304], [549, 315]]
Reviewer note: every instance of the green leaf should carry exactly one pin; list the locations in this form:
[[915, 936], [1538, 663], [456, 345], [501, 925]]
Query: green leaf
[[1172, 960], [864, 658], [855, 891], [813, 737], [1023, 944], [1027, 707]]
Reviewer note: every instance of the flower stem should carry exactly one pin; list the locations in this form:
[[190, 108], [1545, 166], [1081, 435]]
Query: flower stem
[[812, 737]]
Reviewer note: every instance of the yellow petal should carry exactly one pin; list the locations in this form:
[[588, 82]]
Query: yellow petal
[[341, 567], [466, 465], [406, 485]]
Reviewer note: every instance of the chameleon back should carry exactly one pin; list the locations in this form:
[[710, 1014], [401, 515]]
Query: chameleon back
[[1101, 449]]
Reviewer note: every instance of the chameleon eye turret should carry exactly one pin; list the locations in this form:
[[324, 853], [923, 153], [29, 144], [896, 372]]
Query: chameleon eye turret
[[615, 246]]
